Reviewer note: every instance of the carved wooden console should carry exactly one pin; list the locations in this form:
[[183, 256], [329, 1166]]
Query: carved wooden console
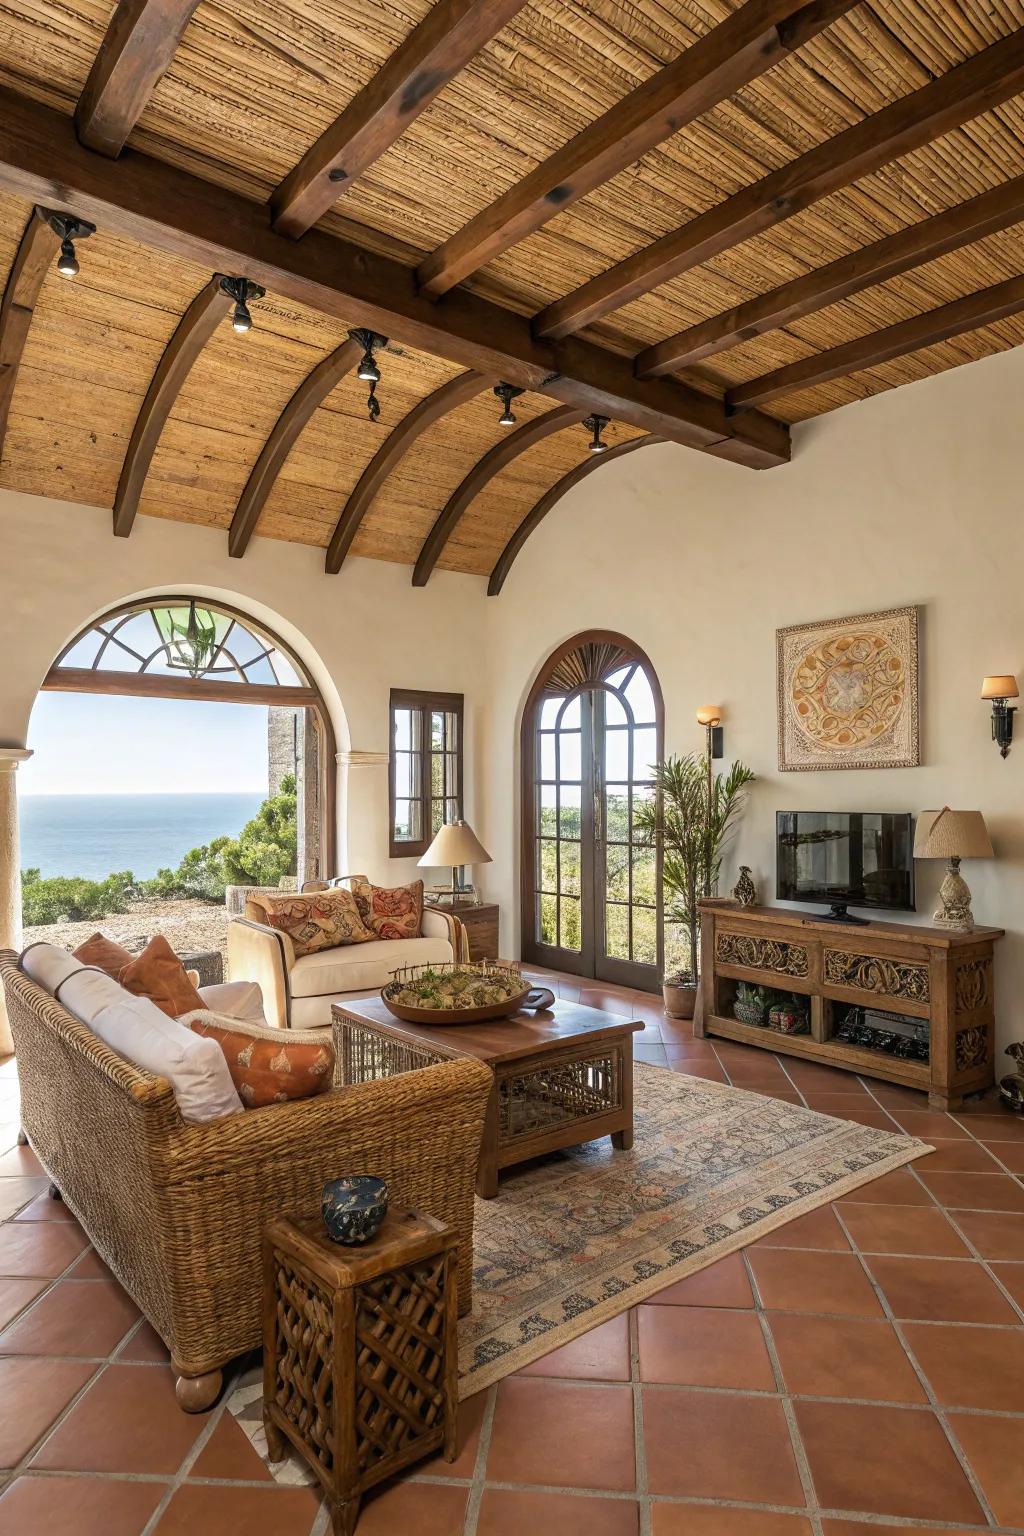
[[932, 975]]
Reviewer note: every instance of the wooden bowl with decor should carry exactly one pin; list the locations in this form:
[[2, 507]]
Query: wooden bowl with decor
[[452, 993]]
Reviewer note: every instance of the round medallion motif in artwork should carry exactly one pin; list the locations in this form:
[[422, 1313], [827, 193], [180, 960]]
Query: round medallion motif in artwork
[[848, 690]]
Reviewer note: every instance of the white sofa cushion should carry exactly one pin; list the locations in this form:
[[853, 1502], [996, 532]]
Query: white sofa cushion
[[137, 1030], [234, 999], [358, 967]]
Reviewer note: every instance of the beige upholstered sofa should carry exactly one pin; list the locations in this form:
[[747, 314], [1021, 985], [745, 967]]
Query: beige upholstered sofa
[[298, 993]]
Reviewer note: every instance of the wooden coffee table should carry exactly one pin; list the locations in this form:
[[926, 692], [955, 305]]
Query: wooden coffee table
[[561, 1076]]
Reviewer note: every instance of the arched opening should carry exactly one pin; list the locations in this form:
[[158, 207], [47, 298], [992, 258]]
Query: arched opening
[[592, 730]]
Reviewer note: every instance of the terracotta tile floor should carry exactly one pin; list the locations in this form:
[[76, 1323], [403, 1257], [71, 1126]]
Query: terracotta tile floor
[[859, 1371]]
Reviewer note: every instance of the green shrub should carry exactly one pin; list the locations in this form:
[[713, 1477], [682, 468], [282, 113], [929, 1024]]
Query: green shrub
[[70, 898]]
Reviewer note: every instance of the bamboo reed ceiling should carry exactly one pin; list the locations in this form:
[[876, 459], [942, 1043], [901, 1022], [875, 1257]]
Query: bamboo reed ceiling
[[250, 88]]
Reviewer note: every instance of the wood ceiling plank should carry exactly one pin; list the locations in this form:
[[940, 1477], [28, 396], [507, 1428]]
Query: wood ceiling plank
[[935, 325], [311, 394], [388, 456], [170, 209], [501, 455], [984, 81], [540, 510], [197, 325], [732, 54], [138, 46], [443, 43], [39, 245]]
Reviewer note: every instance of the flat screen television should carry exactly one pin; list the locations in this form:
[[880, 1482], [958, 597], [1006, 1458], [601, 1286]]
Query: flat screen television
[[846, 859]]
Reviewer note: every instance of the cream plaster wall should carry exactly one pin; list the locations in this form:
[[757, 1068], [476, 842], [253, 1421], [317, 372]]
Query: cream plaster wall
[[914, 497]]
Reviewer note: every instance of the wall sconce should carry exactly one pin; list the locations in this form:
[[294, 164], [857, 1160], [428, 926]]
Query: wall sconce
[[710, 717], [999, 689]]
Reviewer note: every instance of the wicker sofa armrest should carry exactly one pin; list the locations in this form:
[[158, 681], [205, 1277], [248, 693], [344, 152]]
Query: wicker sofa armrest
[[257, 952]]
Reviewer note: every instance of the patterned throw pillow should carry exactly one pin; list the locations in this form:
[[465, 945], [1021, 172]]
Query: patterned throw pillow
[[270, 1071], [321, 920], [395, 913]]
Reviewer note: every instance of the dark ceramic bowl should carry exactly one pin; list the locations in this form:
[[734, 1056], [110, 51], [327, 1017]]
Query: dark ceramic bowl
[[354, 1207]]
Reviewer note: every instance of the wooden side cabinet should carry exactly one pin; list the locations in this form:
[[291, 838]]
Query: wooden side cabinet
[[934, 982], [481, 929]]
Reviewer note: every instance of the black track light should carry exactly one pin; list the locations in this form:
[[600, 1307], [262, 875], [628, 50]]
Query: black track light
[[370, 341], [68, 229], [241, 290], [596, 425], [506, 393]]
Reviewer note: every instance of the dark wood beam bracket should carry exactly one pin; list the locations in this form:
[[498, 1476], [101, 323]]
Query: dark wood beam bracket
[[444, 42], [541, 508], [138, 46], [948, 231], [732, 54], [33, 259], [194, 330], [968, 314], [494, 460], [311, 394], [169, 209], [984, 81], [448, 397]]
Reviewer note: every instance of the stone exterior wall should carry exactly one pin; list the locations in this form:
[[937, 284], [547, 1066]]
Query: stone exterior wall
[[284, 746]]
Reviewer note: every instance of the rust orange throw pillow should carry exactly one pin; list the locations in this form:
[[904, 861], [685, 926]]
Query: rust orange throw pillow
[[268, 1071], [316, 920], [159, 975], [395, 913], [104, 954]]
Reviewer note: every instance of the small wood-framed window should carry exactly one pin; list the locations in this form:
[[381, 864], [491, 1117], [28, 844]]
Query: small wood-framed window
[[424, 767]]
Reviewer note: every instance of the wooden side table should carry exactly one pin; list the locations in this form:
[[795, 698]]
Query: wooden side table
[[481, 929], [360, 1357]]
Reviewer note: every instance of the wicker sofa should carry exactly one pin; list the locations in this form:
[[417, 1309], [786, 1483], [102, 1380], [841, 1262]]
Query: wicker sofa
[[177, 1210]]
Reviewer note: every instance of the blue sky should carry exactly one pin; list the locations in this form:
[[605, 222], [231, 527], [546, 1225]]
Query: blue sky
[[90, 744]]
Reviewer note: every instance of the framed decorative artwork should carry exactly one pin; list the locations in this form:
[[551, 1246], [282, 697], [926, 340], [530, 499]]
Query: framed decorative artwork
[[848, 692]]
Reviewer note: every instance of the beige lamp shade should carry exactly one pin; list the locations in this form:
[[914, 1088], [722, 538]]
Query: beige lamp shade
[[950, 834], [1004, 687], [709, 714], [456, 844]]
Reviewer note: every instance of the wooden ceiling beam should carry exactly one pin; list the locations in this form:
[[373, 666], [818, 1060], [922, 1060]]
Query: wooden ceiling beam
[[950, 230], [311, 393], [540, 510], [448, 397], [732, 54], [494, 460], [984, 81], [194, 330], [138, 46], [33, 259], [444, 42], [924, 330], [170, 209]]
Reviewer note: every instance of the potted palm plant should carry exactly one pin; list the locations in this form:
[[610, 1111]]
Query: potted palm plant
[[690, 818]]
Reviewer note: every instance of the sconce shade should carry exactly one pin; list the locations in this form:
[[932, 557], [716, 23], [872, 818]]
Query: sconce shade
[[456, 844], [709, 714], [950, 834], [1004, 687]]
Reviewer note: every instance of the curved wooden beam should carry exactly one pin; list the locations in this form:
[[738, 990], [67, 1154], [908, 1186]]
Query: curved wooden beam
[[389, 455], [540, 510], [138, 47], [195, 328], [311, 393], [39, 245], [496, 459], [444, 42]]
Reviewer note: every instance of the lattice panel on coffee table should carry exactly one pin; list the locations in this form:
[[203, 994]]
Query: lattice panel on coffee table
[[557, 1093]]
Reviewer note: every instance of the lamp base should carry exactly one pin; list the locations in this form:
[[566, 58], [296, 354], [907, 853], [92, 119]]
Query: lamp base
[[955, 901]]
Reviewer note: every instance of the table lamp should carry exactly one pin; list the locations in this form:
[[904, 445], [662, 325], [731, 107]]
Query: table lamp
[[456, 844], [952, 835]]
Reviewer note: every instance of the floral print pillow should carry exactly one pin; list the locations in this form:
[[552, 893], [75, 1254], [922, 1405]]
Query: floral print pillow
[[324, 920], [395, 913], [266, 1071]]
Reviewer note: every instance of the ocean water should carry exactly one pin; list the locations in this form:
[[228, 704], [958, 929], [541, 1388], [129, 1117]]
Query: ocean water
[[94, 835]]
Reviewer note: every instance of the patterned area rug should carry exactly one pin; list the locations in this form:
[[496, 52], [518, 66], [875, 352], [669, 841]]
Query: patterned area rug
[[575, 1238]]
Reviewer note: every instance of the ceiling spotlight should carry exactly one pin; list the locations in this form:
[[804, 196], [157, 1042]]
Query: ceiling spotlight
[[506, 393], [68, 229], [241, 290], [596, 425], [368, 370]]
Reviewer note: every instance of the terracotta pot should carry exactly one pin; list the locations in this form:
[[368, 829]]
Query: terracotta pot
[[680, 1000]]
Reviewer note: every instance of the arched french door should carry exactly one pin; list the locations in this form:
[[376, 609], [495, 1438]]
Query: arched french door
[[592, 731]]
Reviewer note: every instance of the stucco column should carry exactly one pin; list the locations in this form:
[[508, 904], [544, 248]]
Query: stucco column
[[364, 812], [10, 871]]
